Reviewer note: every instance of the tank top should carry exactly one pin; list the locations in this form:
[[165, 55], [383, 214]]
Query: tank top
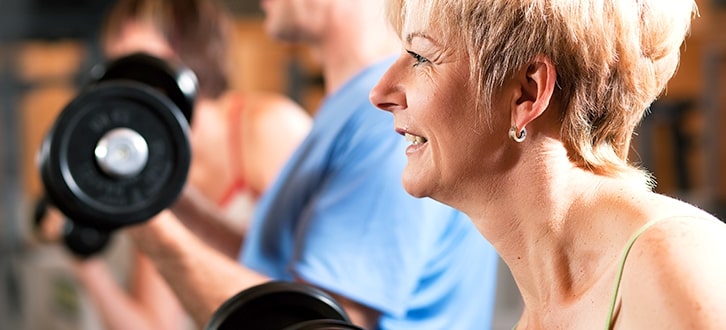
[[239, 198]]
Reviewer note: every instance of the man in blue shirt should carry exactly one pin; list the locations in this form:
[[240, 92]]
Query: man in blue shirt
[[338, 217]]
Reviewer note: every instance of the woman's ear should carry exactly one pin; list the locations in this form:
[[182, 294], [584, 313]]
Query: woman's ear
[[533, 87]]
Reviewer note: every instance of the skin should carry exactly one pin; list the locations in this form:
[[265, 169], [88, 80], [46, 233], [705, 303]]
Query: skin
[[561, 229]]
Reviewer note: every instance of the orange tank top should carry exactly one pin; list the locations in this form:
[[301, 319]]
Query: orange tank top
[[239, 184], [239, 199]]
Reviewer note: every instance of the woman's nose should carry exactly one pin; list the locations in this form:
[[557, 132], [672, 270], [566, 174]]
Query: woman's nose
[[388, 95]]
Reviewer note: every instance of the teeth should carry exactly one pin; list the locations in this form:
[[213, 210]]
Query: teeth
[[415, 139], [410, 138]]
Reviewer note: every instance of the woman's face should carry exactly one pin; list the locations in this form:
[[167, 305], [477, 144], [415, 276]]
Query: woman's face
[[137, 36], [431, 96]]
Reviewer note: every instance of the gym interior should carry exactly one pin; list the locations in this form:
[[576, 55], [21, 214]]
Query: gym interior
[[49, 47]]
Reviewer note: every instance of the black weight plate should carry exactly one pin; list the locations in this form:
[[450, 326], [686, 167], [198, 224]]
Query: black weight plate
[[70, 173], [323, 324], [275, 306], [176, 81]]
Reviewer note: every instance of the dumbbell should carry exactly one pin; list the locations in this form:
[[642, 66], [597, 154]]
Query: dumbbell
[[281, 305], [82, 241], [119, 152]]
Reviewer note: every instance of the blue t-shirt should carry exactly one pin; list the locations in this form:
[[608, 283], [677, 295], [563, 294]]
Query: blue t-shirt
[[339, 218]]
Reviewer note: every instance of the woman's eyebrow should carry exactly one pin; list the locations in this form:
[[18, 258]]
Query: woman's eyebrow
[[414, 35]]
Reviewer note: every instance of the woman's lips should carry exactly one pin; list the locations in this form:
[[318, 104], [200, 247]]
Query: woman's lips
[[417, 142], [415, 139]]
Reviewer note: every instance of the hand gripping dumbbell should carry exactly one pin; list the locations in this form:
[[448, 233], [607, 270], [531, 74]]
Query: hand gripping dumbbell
[[83, 242], [119, 152]]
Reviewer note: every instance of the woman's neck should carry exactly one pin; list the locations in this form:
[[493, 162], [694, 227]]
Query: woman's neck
[[543, 224]]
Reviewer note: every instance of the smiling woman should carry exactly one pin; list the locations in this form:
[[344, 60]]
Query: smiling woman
[[521, 114], [443, 119]]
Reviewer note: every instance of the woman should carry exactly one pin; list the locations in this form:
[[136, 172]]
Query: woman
[[520, 114], [239, 141]]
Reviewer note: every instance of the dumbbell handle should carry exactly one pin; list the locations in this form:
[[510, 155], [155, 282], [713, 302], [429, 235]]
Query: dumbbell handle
[[82, 241]]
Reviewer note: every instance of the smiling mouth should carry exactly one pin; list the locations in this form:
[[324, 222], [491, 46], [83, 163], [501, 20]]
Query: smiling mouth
[[415, 139]]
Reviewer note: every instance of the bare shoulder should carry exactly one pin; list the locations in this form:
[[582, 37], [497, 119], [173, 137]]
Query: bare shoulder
[[676, 271], [257, 102]]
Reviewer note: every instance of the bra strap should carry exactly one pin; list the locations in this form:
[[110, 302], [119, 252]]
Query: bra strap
[[622, 267]]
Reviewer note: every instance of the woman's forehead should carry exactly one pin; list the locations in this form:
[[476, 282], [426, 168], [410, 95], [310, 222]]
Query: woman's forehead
[[417, 22]]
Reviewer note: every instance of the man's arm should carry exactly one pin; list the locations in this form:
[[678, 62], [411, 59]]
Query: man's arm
[[151, 305], [203, 278], [200, 276], [206, 220]]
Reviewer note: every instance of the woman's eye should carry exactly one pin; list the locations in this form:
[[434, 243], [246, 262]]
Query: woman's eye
[[419, 59]]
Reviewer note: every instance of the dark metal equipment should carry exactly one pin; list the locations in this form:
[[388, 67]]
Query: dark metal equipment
[[119, 152], [281, 306]]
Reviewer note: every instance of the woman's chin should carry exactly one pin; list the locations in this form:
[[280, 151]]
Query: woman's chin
[[415, 185]]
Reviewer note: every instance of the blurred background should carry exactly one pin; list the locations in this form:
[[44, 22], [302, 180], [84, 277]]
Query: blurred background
[[47, 48]]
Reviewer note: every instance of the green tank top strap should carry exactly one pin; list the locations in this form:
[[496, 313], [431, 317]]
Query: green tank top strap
[[622, 266]]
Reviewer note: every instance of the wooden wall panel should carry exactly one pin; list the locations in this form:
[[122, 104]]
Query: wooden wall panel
[[39, 109], [261, 63], [47, 70], [258, 61], [45, 62]]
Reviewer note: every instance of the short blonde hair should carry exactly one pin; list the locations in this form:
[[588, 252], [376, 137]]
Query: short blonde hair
[[613, 59]]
